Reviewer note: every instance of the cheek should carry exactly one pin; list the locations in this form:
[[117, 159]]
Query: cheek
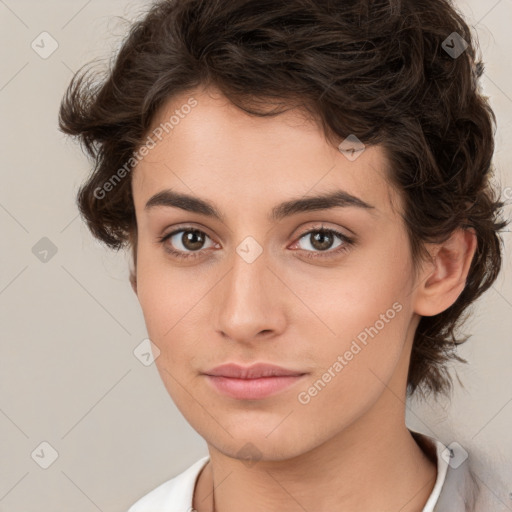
[[365, 315], [172, 301], [161, 290], [167, 306], [343, 303], [355, 370]]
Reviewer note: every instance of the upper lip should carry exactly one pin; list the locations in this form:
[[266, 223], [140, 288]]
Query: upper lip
[[254, 371]]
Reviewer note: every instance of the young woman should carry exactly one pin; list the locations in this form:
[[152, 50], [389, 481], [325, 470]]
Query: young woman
[[305, 187]]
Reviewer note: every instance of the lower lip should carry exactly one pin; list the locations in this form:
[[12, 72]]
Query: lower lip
[[252, 389]]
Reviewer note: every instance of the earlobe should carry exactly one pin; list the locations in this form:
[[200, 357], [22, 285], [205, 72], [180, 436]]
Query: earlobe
[[443, 280]]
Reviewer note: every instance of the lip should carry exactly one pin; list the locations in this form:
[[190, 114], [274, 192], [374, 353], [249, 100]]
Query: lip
[[253, 382]]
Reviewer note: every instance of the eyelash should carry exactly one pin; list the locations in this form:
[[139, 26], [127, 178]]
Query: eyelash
[[347, 242]]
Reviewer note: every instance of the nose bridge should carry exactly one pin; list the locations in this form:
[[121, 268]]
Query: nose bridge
[[248, 302], [247, 280]]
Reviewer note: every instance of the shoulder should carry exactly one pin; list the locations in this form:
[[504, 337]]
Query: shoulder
[[467, 480], [175, 495], [475, 485]]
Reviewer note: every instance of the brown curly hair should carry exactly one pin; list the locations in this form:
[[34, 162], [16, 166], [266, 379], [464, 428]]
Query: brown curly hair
[[379, 69]]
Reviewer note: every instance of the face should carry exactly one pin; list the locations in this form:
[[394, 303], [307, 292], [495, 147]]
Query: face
[[323, 290]]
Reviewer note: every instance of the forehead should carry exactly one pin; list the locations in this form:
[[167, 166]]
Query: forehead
[[214, 148]]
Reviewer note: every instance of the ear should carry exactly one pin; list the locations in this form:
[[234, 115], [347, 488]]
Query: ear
[[133, 281], [132, 239], [443, 279]]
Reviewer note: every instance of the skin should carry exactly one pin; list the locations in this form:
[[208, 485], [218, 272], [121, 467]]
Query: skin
[[348, 448]]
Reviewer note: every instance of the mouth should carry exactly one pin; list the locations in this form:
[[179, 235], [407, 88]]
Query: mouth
[[255, 382]]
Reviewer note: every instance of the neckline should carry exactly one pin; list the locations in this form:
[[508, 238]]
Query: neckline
[[433, 449], [430, 446]]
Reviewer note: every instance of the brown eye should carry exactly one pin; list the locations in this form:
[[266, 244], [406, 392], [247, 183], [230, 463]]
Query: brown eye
[[185, 243], [322, 239], [321, 242], [192, 240]]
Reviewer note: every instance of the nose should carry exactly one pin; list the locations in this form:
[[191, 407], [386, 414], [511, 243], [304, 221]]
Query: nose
[[250, 301]]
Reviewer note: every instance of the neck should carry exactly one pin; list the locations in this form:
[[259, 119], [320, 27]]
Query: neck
[[373, 464]]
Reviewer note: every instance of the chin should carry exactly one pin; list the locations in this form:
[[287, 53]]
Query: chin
[[260, 441], [250, 451]]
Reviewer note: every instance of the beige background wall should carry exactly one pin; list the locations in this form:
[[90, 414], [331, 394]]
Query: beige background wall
[[69, 326]]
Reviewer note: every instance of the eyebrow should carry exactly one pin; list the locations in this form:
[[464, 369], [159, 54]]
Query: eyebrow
[[335, 199]]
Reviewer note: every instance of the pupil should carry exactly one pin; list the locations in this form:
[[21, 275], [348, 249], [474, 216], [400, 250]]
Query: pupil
[[192, 240], [319, 237]]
